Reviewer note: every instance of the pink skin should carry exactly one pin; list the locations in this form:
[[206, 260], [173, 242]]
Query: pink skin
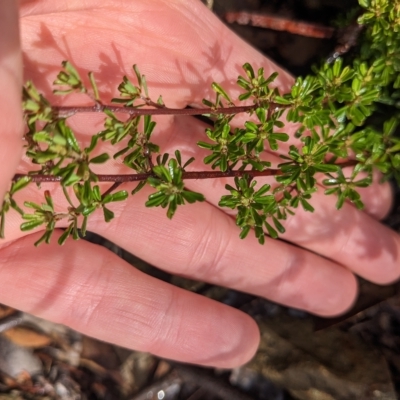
[[181, 48]]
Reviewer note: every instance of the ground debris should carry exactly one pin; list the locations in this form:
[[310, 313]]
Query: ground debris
[[331, 364]]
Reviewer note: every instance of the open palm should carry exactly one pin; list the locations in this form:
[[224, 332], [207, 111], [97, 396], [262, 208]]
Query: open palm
[[181, 48]]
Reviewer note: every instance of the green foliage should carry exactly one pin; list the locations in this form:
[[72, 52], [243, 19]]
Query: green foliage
[[256, 86], [130, 93], [57, 150], [167, 180], [70, 79], [254, 208], [35, 106], [138, 149], [43, 214], [9, 201], [347, 113], [303, 164]]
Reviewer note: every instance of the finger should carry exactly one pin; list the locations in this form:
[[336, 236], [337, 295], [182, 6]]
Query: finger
[[192, 82], [202, 242], [10, 94], [185, 132], [108, 299], [349, 237], [276, 261], [342, 235], [377, 198], [194, 55]]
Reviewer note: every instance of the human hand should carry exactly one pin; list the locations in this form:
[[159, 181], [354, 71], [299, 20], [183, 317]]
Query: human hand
[[181, 48]]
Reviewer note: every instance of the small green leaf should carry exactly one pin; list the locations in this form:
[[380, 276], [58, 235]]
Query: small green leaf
[[249, 70], [68, 134], [31, 204], [326, 168], [84, 226], [341, 200], [251, 126], [144, 86], [178, 157], [2, 223], [140, 186], [45, 238], [71, 179], [162, 172], [271, 231], [29, 225], [306, 205], [243, 83], [218, 89], [261, 115], [331, 191], [63, 238], [330, 182], [102, 158], [244, 96], [188, 162], [223, 163], [364, 3], [108, 214], [94, 86], [245, 231], [87, 210], [282, 137], [173, 205], [49, 200], [20, 184], [263, 189], [138, 74], [149, 126], [156, 199], [363, 182], [93, 143], [205, 145], [117, 196], [160, 101], [192, 197], [282, 100], [71, 70]]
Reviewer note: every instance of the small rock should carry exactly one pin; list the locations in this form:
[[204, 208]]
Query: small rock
[[15, 360]]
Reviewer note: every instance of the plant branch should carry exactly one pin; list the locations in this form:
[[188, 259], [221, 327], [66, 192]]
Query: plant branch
[[113, 187], [280, 24], [68, 111], [65, 111], [122, 178], [143, 176]]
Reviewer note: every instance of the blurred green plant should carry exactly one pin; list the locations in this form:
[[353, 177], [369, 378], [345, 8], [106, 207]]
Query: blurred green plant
[[346, 111]]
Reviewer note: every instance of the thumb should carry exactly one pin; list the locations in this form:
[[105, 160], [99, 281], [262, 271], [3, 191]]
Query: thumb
[[10, 93]]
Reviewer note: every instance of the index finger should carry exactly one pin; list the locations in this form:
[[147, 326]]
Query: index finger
[[119, 34]]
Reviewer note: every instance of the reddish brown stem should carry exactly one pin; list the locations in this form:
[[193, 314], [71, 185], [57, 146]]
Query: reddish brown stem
[[113, 187], [280, 24], [65, 111], [186, 175], [348, 38], [141, 177]]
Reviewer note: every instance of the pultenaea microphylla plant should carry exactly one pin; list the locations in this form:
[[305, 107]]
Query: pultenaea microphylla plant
[[349, 106]]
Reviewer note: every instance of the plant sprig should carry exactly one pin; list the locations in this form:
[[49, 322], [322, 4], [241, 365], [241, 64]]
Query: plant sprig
[[347, 109]]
